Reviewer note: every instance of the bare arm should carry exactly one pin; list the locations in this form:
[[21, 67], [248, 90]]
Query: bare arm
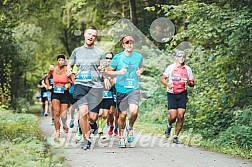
[[140, 71], [112, 73], [47, 80], [165, 83]]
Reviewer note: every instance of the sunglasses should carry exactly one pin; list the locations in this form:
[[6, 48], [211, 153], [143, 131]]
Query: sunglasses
[[127, 42], [110, 58]]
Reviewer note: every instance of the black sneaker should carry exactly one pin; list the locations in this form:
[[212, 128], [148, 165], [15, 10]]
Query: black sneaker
[[86, 145], [175, 140], [168, 131], [93, 127]]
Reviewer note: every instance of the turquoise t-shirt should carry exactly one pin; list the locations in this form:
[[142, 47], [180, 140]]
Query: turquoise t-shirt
[[127, 82]]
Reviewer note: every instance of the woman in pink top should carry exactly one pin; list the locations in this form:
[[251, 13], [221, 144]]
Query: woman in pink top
[[60, 93], [176, 77]]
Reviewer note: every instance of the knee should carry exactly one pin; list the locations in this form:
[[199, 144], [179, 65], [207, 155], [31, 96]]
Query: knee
[[122, 116], [173, 117], [56, 114], [93, 118], [180, 117]]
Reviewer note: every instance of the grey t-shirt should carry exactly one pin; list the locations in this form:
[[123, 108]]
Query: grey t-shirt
[[87, 61]]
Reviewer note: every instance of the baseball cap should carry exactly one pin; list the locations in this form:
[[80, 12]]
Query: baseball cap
[[128, 38], [180, 53]]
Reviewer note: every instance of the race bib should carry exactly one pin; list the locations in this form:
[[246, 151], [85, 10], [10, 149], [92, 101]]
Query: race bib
[[130, 83], [107, 95], [44, 94], [51, 81], [85, 76], [114, 97], [58, 89]]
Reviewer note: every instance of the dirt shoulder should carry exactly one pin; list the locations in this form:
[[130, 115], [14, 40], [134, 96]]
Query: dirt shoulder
[[147, 150]]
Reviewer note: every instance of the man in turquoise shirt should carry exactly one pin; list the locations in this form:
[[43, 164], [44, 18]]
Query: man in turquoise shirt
[[127, 66]]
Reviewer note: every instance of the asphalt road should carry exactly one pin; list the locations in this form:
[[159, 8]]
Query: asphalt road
[[146, 151]]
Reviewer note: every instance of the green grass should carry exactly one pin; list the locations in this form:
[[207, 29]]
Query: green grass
[[21, 143]]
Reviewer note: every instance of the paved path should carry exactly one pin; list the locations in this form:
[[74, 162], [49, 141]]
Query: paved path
[[147, 151]]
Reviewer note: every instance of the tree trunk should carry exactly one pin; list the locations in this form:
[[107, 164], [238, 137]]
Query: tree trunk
[[133, 14]]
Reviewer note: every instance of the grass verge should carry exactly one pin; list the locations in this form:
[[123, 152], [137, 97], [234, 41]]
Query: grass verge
[[21, 143], [193, 139]]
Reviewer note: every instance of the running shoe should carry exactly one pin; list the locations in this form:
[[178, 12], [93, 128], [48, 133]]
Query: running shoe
[[130, 135], [101, 135], [71, 124], [42, 112], [65, 129], [86, 144], [78, 136], [110, 132], [121, 143], [116, 132], [175, 140], [168, 131], [52, 123]]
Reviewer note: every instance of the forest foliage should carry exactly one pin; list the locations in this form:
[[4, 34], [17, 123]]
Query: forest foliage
[[33, 33]]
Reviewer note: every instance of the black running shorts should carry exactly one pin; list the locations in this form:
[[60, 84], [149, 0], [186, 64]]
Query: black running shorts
[[176, 101]]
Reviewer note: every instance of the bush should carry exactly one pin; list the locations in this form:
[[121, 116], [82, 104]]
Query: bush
[[20, 105], [238, 134], [18, 127]]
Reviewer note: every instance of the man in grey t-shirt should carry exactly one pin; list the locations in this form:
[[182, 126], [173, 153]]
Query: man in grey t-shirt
[[88, 85]]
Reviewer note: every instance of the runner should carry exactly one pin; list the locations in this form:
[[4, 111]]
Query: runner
[[44, 99], [175, 78], [49, 95], [108, 105], [78, 136], [88, 84], [127, 66], [38, 96], [60, 94]]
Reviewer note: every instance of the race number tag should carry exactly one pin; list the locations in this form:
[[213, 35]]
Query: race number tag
[[85, 76], [51, 81], [130, 83], [44, 94], [107, 95], [58, 89]]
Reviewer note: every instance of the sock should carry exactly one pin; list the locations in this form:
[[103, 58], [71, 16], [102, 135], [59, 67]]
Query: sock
[[115, 127], [102, 124], [99, 123], [79, 128]]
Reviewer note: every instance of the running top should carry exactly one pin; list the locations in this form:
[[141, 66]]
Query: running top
[[127, 82], [178, 76], [59, 77], [87, 61]]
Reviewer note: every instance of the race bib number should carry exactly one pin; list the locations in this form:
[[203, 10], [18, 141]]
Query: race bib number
[[44, 94], [85, 76], [107, 95], [130, 83], [58, 89]]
